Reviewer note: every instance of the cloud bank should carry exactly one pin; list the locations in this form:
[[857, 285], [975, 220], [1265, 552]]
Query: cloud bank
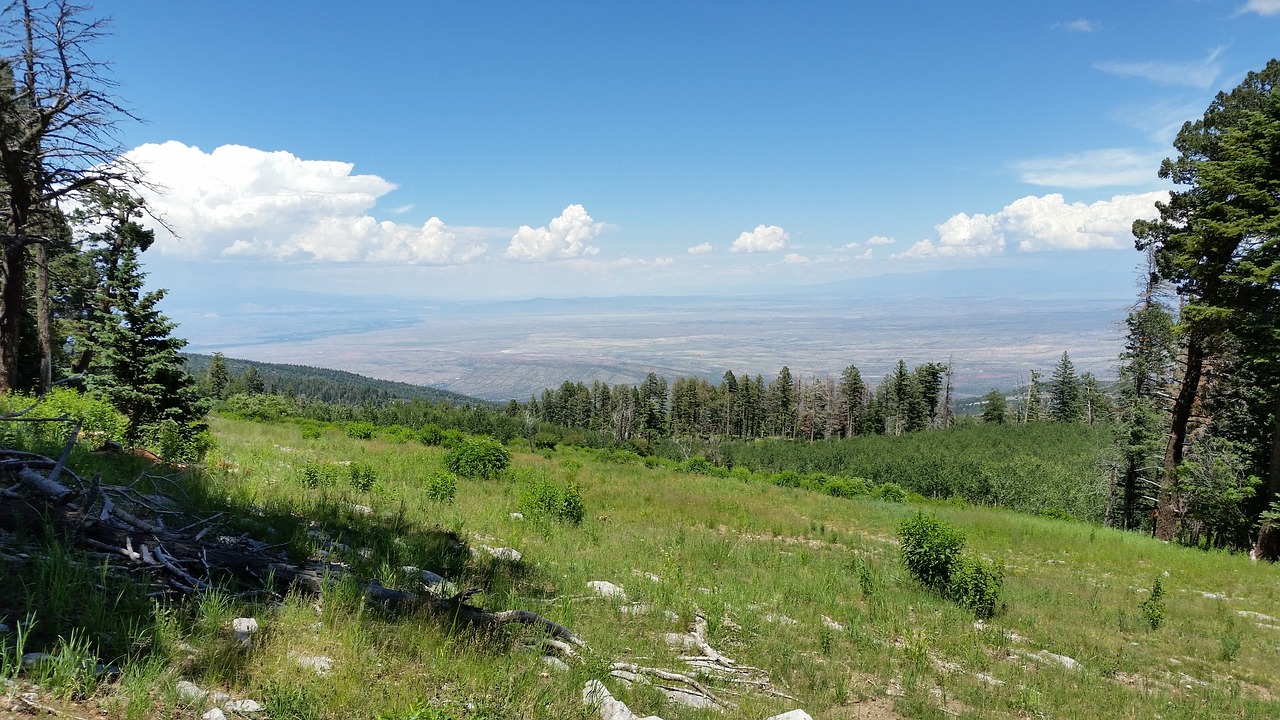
[[238, 201], [1034, 224]]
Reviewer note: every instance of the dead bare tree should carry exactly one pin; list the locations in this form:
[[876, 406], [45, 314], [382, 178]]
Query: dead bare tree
[[58, 120]]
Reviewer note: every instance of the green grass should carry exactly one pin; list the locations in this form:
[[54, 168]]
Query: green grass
[[748, 554]]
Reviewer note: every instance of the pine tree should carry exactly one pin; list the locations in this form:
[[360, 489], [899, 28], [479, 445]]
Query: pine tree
[[218, 378], [136, 364], [994, 408], [852, 401], [1066, 401]]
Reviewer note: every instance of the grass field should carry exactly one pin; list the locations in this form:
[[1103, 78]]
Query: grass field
[[806, 587]]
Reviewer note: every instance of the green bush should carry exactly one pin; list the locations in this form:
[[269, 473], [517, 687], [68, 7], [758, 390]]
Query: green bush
[[787, 478], [1153, 607], [452, 438], [846, 487], [431, 434], [361, 430], [930, 549], [547, 499], [697, 466], [977, 585], [478, 457], [363, 476], [441, 487], [399, 433], [259, 408], [890, 492]]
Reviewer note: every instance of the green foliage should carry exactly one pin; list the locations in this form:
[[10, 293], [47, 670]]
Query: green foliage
[[179, 444], [889, 492], [995, 409], [930, 549], [431, 434], [362, 476], [360, 430], [259, 408], [314, 475], [701, 466], [544, 498], [291, 701], [478, 457], [846, 487], [1152, 608], [977, 585], [441, 487], [97, 416]]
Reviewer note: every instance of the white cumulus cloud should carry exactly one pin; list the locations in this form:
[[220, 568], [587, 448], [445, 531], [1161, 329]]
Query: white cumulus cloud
[[765, 238], [564, 237], [881, 240], [1034, 224], [241, 201], [701, 249], [1195, 73], [795, 259]]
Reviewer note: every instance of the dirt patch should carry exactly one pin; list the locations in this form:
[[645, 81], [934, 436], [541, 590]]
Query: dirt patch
[[869, 709]]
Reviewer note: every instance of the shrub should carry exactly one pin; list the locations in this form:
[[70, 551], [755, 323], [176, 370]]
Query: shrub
[[697, 466], [787, 478], [441, 487], [313, 475], [930, 549], [890, 492], [363, 476], [399, 433], [976, 584], [431, 434], [361, 430], [311, 429], [547, 499], [478, 457], [451, 438], [1153, 607], [846, 487]]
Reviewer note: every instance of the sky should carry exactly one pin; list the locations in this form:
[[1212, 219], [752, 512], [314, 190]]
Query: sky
[[518, 149]]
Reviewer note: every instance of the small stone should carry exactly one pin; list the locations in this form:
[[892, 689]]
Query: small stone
[[1213, 596], [604, 588], [410, 570], [517, 516], [672, 616], [214, 714], [244, 629], [320, 664], [635, 609], [831, 624], [779, 619], [190, 692], [362, 509], [796, 714], [242, 706], [988, 679], [1067, 662], [503, 553]]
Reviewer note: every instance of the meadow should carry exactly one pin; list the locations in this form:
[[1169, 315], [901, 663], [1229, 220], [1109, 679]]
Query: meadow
[[805, 587]]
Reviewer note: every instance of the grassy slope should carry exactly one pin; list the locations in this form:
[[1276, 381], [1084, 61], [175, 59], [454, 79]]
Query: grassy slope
[[747, 551]]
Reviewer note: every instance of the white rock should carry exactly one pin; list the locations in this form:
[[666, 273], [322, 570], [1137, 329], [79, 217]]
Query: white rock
[[214, 714], [362, 509], [555, 663], [517, 516], [792, 715], [503, 553], [595, 694], [672, 616], [1213, 596], [693, 700], [190, 692], [635, 609], [410, 570], [988, 679], [242, 706], [604, 588], [780, 619], [1068, 663], [1255, 615], [244, 629], [679, 640], [320, 664], [832, 624]]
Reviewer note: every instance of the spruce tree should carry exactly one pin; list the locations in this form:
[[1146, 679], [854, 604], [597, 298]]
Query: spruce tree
[[994, 408], [1066, 401]]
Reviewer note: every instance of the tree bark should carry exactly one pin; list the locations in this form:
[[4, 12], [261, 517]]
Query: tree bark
[[44, 318], [1186, 408], [12, 301]]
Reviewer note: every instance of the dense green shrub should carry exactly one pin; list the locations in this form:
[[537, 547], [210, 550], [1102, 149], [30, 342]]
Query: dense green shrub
[[441, 487], [846, 487], [478, 457], [890, 492], [431, 434], [314, 475], [399, 433], [977, 585], [452, 438], [361, 430], [547, 499], [259, 408], [930, 549], [363, 476], [787, 478]]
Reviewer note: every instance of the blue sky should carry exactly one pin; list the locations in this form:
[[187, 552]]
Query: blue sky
[[459, 150]]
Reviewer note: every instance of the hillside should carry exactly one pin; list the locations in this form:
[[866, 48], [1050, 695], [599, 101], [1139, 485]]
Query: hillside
[[328, 385], [803, 593]]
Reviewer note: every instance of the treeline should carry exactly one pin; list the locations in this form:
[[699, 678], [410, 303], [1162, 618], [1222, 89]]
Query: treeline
[[815, 408], [303, 381]]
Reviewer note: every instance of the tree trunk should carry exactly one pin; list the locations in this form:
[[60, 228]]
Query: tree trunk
[[1185, 409], [1268, 545], [44, 318], [12, 301]]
